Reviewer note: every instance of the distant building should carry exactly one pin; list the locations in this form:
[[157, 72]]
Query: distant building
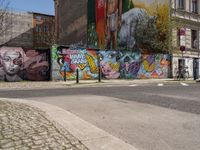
[[43, 30], [185, 36], [19, 31], [71, 22], [28, 30], [72, 28]]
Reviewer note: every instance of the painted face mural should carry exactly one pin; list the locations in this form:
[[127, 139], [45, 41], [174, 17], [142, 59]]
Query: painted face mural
[[11, 62], [109, 64], [17, 64]]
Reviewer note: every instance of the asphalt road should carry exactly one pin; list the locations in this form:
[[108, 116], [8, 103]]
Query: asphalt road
[[150, 116], [173, 96]]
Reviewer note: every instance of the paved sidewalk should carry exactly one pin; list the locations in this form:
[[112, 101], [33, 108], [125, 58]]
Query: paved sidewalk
[[23, 127], [70, 83]]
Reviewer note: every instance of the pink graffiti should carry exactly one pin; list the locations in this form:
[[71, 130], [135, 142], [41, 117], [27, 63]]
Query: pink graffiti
[[108, 71], [35, 65]]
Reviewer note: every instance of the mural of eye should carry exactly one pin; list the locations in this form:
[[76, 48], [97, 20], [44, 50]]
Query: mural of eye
[[7, 59], [17, 61], [112, 55]]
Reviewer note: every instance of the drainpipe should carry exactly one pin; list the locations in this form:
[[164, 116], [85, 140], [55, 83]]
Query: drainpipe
[[198, 52], [170, 39]]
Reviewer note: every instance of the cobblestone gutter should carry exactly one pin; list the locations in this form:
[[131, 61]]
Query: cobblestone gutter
[[23, 127]]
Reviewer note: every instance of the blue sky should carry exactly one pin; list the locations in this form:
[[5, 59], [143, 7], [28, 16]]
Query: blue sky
[[41, 6]]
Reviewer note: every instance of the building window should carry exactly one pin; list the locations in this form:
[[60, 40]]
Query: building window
[[178, 37], [194, 6], [45, 28], [181, 4], [38, 28], [194, 41], [38, 18]]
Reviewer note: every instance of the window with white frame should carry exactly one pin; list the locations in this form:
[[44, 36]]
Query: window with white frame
[[194, 6], [181, 4]]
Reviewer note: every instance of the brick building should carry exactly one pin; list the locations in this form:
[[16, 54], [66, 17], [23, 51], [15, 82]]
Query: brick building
[[43, 30], [71, 21]]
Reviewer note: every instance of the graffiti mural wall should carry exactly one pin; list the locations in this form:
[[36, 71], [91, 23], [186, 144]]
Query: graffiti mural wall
[[67, 60], [128, 24], [113, 64], [154, 66], [130, 64], [109, 62], [17, 64]]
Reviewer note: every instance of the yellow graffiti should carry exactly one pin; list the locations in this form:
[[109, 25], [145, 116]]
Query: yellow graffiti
[[149, 67], [93, 67], [115, 66], [81, 66]]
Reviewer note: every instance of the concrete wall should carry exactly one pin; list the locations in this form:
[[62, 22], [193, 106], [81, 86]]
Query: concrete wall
[[20, 31]]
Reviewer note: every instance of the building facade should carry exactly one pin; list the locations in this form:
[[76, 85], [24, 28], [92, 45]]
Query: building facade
[[71, 22], [43, 30], [185, 36], [28, 30], [19, 31], [78, 21]]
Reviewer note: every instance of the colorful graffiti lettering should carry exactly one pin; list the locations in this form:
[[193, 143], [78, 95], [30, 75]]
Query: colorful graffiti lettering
[[71, 59]]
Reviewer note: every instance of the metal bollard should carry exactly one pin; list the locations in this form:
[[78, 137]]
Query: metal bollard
[[65, 75], [77, 76], [99, 75]]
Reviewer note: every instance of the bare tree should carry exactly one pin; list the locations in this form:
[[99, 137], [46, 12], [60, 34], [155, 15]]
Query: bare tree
[[5, 16]]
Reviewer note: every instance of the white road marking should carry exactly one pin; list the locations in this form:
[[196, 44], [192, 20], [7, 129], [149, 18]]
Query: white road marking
[[184, 84], [160, 84], [133, 85]]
